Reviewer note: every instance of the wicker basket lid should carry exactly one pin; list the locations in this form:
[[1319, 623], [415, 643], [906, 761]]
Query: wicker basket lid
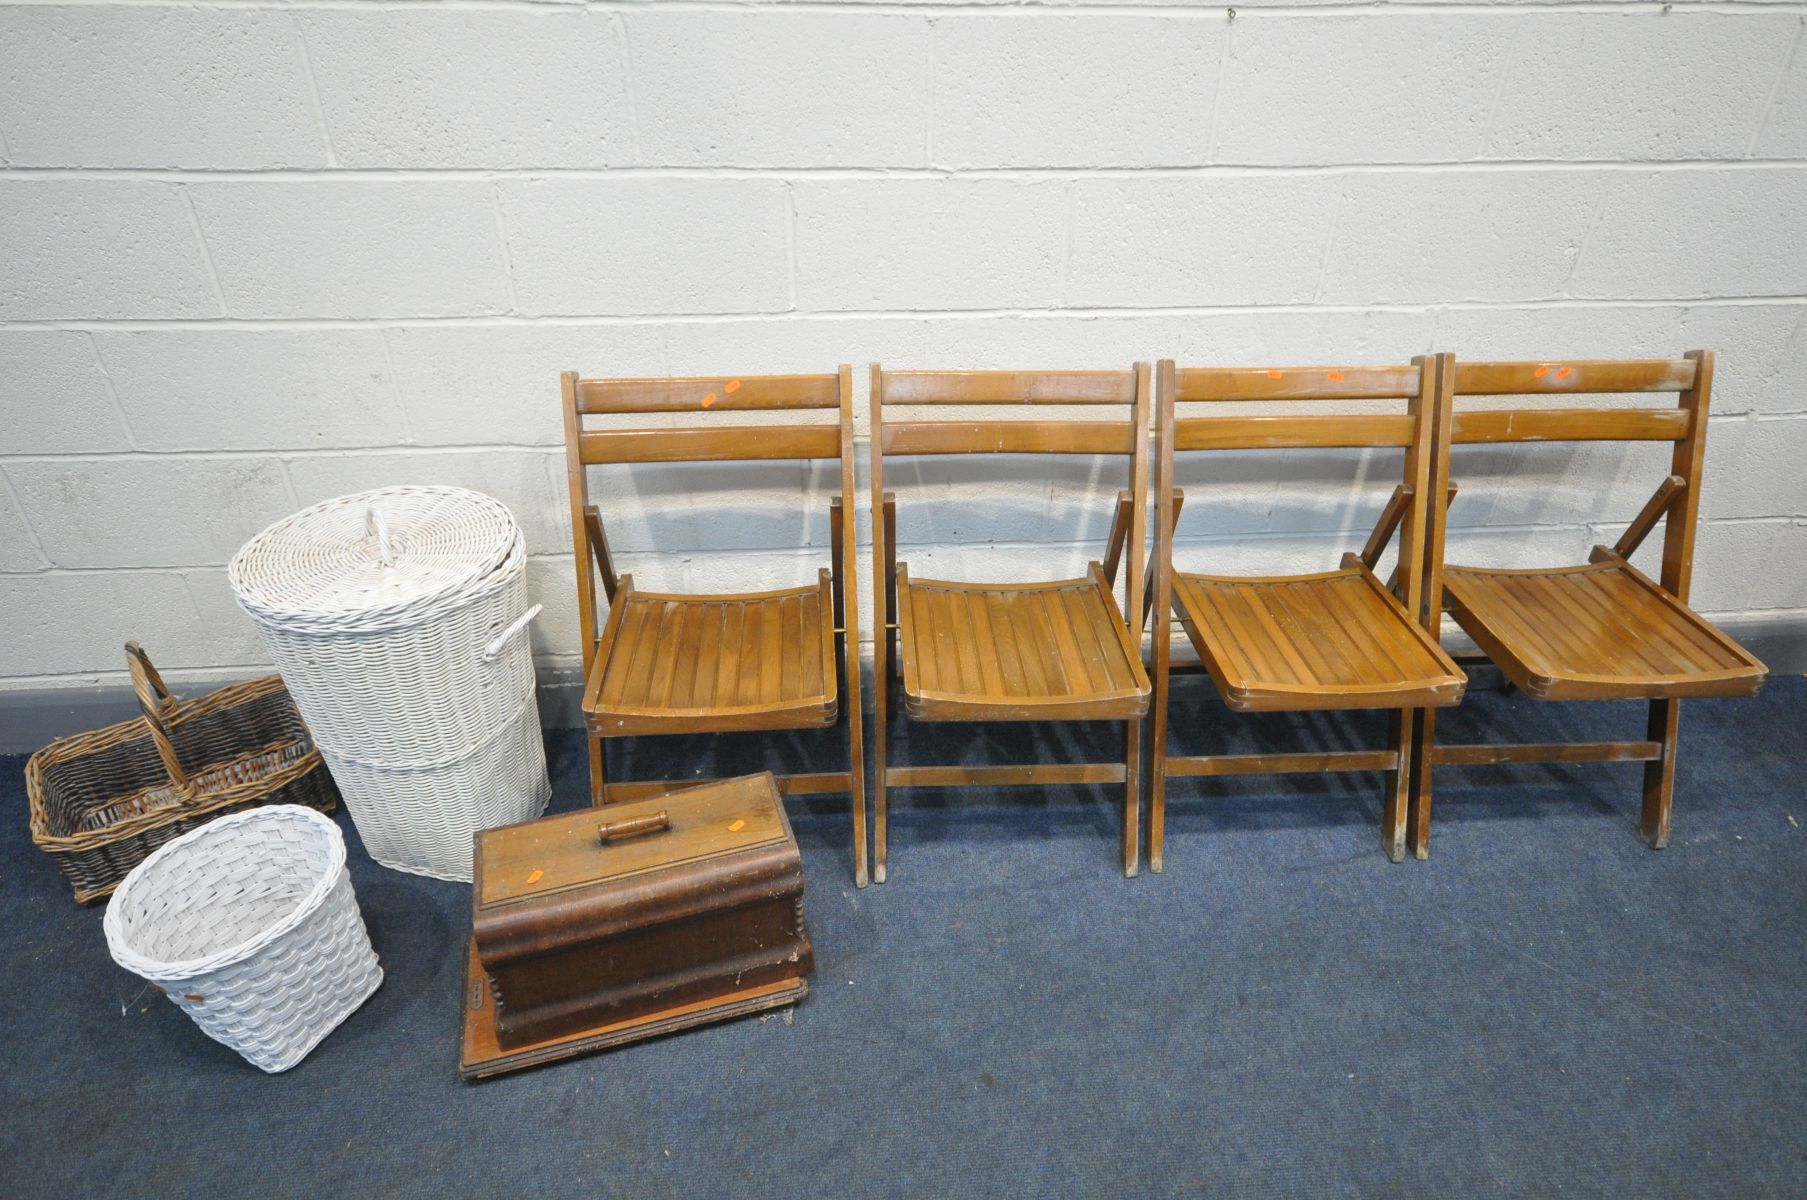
[[377, 558]]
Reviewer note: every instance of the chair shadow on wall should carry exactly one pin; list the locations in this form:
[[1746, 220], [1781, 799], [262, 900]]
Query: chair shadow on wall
[[677, 510]]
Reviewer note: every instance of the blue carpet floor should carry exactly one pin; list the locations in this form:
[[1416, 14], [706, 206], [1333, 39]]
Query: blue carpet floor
[[1545, 1007]]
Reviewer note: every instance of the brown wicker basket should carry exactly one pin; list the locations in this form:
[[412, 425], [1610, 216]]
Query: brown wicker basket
[[102, 801]]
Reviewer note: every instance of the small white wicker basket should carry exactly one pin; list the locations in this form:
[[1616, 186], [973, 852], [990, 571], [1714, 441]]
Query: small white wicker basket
[[398, 619], [249, 924]]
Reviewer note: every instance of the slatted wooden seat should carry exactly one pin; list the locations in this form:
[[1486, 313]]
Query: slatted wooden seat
[[1335, 640], [1602, 630], [1011, 651], [762, 660], [1598, 631], [1338, 639], [728, 662], [1046, 651]]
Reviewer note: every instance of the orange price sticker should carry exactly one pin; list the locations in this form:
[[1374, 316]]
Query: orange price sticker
[[732, 386], [1336, 377], [737, 827], [1565, 372], [709, 399], [1540, 372], [1273, 374], [536, 876]]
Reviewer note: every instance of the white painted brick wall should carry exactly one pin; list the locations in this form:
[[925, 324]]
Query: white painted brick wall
[[100, 249], [471, 88], [778, 89], [260, 254], [354, 248], [1071, 91], [155, 87]]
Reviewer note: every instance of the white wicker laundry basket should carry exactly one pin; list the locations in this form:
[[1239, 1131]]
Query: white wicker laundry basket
[[249, 925], [398, 619], [428, 813]]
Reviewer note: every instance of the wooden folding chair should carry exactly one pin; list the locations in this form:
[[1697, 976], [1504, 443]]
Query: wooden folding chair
[[1603, 630], [1045, 651], [726, 662], [1337, 640]]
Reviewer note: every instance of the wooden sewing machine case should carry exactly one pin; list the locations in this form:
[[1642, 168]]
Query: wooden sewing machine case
[[608, 925]]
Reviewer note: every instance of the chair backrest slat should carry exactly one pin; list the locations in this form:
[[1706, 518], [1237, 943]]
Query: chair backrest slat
[[1550, 378], [1008, 437], [601, 396], [1295, 430], [1010, 387], [1569, 425], [1598, 423], [1296, 383], [1001, 389], [735, 443], [1287, 432]]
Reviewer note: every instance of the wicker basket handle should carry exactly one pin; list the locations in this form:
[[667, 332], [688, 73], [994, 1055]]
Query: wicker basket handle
[[155, 701], [493, 651], [376, 527]]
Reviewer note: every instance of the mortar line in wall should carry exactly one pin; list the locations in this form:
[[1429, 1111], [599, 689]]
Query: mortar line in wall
[[1223, 69], [1499, 87], [395, 384], [288, 481], [313, 90], [295, 452], [1594, 220], [194, 221], [1799, 332], [31, 532], [627, 82], [1018, 8], [928, 133], [194, 603], [480, 320], [495, 198], [1212, 170], [790, 245], [112, 390], [1329, 244], [1066, 243], [1775, 90]]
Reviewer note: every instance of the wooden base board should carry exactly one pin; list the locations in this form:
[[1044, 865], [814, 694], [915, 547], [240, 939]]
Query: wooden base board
[[482, 1056]]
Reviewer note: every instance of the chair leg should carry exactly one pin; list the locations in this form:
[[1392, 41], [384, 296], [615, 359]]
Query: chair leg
[[598, 780], [881, 703], [856, 790], [1659, 774], [1132, 799], [1399, 785], [1424, 742], [1157, 777]]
